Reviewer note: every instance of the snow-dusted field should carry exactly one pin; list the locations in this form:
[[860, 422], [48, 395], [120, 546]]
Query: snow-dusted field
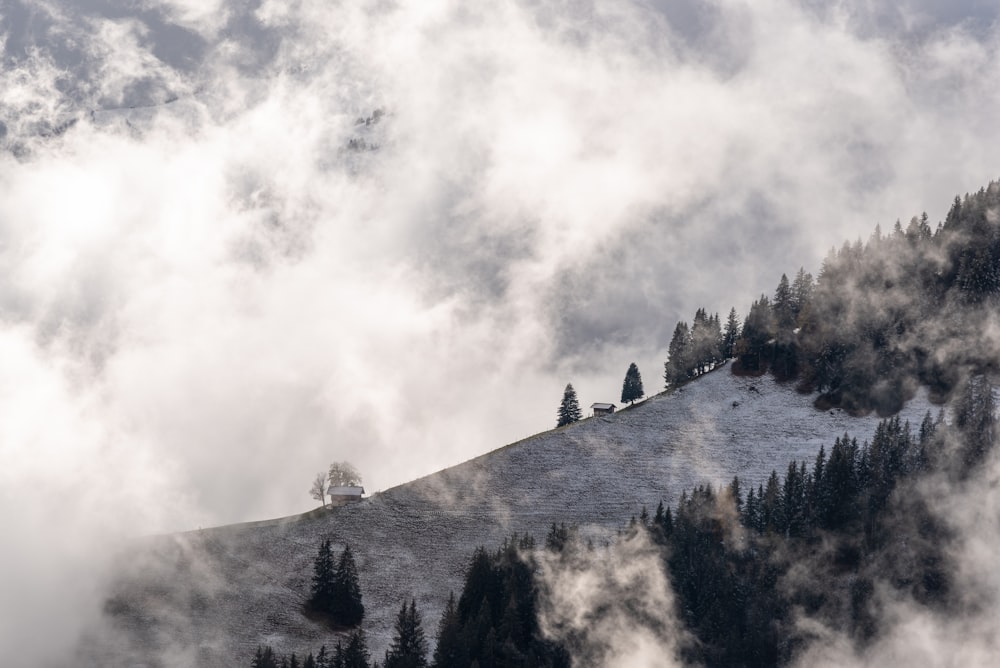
[[210, 597]]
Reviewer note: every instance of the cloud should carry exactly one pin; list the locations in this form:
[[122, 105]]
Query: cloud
[[566, 181], [195, 256], [611, 606]]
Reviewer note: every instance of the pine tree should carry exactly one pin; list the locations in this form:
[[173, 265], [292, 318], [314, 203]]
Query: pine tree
[[264, 658], [678, 364], [355, 655], [347, 607], [705, 337], [323, 596], [731, 334], [409, 645], [632, 387], [802, 289], [449, 652], [569, 409], [784, 305]]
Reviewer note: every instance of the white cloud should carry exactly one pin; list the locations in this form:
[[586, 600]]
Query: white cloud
[[244, 298]]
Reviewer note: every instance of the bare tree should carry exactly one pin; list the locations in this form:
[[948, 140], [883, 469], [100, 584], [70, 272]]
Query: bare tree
[[318, 489], [343, 474]]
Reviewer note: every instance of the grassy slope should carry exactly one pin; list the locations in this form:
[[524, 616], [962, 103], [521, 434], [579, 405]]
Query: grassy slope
[[210, 596]]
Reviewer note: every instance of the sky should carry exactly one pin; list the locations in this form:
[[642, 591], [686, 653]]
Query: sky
[[208, 296]]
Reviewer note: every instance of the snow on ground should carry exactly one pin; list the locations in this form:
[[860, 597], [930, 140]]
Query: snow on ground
[[210, 597]]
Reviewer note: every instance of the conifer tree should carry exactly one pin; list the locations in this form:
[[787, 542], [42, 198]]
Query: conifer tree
[[678, 363], [355, 655], [731, 334], [569, 409], [323, 595], [784, 305], [409, 645], [449, 652], [264, 658], [347, 607], [802, 289], [632, 387], [705, 336]]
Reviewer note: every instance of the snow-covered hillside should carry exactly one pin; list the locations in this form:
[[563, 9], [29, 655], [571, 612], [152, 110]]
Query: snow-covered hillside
[[210, 597]]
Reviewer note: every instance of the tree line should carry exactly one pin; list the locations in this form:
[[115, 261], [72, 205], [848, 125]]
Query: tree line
[[880, 319]]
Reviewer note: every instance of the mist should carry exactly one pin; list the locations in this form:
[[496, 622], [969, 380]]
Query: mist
[[210, 295]]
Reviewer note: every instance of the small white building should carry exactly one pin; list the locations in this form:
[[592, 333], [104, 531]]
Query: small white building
[[602, 409], [341, 496]]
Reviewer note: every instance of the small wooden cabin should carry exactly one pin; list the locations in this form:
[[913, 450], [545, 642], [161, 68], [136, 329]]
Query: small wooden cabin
[[341, 496], [602, 409]]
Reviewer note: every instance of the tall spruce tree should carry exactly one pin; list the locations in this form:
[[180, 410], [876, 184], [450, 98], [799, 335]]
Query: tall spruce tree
[[355, 654], [322, 597], [347, 606], [569, 409], [409, 645], [450, 650], [731, 334], [802, 289], [678, 364], [784, 305], [632, 387]]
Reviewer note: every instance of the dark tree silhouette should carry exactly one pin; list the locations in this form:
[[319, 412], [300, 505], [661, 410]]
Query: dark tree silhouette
[[678, 363], [323, 594], [569, 409], [347, 606], [731, 334], [409, 645], [355, 654], [632, 387], [450, 650]]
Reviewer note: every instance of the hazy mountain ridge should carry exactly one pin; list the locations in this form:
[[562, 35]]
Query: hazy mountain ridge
[[210, 597]]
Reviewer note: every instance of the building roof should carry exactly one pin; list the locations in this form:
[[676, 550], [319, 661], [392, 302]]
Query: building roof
[[346, 491], [602, 407]]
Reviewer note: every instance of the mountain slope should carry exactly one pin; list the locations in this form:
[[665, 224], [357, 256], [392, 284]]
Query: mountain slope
[[210, 597]]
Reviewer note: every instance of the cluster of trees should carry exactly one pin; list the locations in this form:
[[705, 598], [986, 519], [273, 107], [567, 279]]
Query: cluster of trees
[[335, 595], [494, 622], [697, 348], [340, 474], [408, 650], [880, 319], [352, 654], [855, 520]]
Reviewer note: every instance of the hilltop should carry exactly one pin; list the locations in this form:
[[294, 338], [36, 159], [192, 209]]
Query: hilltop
[[209, 597]]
